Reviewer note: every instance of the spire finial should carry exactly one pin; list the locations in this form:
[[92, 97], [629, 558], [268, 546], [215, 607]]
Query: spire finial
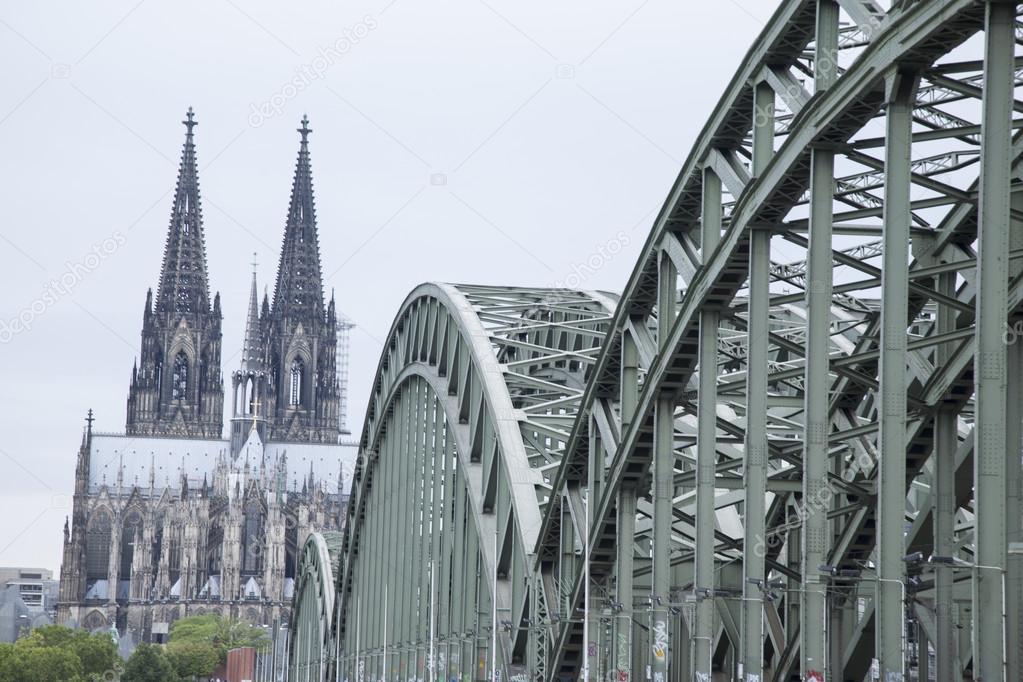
[[305, 130], [89, 420], [255, 263], [190, 121]]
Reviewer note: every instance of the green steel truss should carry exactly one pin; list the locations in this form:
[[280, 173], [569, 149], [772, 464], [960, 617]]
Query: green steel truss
[[475, 394], [793, 451]]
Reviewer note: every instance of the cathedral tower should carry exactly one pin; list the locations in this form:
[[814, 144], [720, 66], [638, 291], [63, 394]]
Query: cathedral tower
[[176, 388], [301, 342]]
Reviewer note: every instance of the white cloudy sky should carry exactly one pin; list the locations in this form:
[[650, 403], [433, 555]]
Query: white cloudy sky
[[553, 126]]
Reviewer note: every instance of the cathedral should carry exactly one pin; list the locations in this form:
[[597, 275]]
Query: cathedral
[[171, 519]]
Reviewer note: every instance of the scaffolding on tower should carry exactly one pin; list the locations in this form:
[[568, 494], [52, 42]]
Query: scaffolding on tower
[[345, 326]]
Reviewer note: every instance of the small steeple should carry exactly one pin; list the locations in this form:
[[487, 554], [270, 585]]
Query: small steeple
[[252, 350]]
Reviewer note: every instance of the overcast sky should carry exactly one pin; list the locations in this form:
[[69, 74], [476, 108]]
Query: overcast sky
[[471, 141]]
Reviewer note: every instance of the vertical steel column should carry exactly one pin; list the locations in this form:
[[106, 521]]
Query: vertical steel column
[[384, 563], [1014, 474], [393, 513], [623, 622], [990, 491], [755, 448], [626, 518], [378, 570], [706, 442], [403, 636], [435, 464], [820, 271], [448, 556], [890, 606], [424, 473], [946, 442], [476, 581], [594, 490], [458, 577], [663, 478]]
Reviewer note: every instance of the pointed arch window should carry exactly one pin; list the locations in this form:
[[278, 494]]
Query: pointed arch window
[[252, 562], [251, 404], [97, 547], [297, 379], [131, 531], [179, 387]]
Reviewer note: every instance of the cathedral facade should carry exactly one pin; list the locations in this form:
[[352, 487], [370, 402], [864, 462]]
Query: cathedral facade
[[170, 518]]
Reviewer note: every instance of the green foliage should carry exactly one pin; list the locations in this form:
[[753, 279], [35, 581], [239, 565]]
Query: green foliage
[[96, 652], [148, 663], [220, 633], [193, 659], [54, 653], [28, 663]]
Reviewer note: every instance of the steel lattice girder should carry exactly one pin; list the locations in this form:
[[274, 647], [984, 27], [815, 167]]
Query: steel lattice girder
[[823, 366], [939, 358], [474, 394], [312, 646]]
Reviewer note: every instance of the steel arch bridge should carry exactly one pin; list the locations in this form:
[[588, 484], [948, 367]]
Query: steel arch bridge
[[791, 449]]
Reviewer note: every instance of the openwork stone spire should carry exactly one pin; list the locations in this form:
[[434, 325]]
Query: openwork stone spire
[[303, 393], [183, 282], [299, 290], [176, 387]]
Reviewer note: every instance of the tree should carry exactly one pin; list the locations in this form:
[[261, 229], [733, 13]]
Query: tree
[[53, 653], [221, 633], [148, 663], [96, 652], [27, 663], [193, 659]]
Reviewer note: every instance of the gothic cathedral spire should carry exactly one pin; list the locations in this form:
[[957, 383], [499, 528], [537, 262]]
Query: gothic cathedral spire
[[299, 291], [302, 400], [177, 388], [183, 283]]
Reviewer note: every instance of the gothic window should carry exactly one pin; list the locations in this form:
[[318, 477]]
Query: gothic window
[[179, 388], [250, 396], [94, 622], [214, 545], [174, 555], [97, 548], [131, 532], [297, 376], [290, 549], [252, 561], [157, 543]]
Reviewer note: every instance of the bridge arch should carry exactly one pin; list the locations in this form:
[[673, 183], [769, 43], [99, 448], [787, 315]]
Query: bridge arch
[[808, 397], [474, 393], [311, 646]]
